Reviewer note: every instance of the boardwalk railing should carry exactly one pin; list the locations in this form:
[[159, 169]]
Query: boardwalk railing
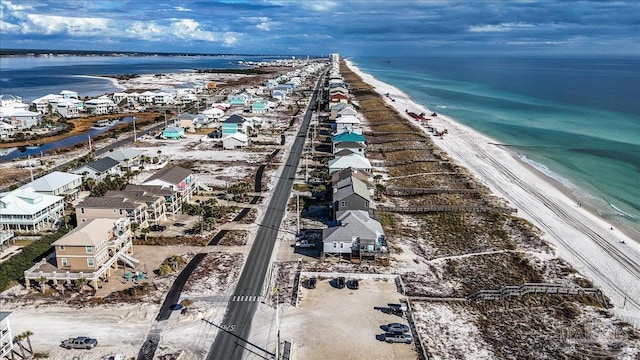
[[536, 288], [386, 141], [403, 162], [375, 147], [383, 133], [443, 208], [403, 191]]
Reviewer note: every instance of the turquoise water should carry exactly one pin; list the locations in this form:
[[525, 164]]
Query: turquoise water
[[578, 120]]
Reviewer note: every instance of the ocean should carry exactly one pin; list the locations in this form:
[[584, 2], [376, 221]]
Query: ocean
[[575, 119]]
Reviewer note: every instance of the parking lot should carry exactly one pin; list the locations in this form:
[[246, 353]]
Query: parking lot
[[332, 323]]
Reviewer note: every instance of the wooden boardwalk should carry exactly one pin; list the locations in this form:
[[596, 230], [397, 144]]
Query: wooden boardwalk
[[536, 288], [443, 208], [402, 191]]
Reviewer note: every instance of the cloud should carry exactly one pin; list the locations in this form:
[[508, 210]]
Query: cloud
[[52, 24], [181, 9], [500, 27]]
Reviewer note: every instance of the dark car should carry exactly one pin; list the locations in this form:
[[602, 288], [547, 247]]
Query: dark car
[[312, 283], [157, 227], [397, 328], [353, 284], [340, 282], [191, 231]]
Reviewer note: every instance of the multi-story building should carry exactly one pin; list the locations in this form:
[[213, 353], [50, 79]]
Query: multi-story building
[[27, 210]]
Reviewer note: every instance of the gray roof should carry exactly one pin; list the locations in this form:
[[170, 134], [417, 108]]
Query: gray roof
[[350, 144], [151, 189], [353, 224], [173, 175], [52, 181], [345, 152], [125, 153], [349, 172], [348, 180], [356, 187], [101, 165], [4, 315], [234, 119], [108, 202]]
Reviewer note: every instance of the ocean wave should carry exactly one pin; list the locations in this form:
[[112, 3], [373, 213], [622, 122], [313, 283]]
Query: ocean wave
[[621, 212], [546, 171]]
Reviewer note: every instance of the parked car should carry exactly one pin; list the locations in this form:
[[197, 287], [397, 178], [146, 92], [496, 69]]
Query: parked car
[[81, 342], [398, 338], [353, 284], [312, 283], [397, 328], [340, 282], [157, 227]]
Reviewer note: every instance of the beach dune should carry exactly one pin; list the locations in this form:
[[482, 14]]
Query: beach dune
[[602, 253]]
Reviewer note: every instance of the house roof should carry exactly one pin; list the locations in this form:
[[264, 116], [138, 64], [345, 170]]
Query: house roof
[[354, 187], [137, 196], [353, 224], [52, 181], [234, 119], [347, 136], [237, 136], [125, 153], [347, 119], [337, 96], [173, 175], [185, 116], [345, 152], [151, 189], [173, 129], [101, 165], [87, 234], [338, 106], [360, 176], [355, 161], [350, 145], [26, 201], [347, 173], [108, 202], [348, 110]]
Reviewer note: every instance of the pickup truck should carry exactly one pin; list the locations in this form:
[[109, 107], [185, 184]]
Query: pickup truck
[[80, 342]]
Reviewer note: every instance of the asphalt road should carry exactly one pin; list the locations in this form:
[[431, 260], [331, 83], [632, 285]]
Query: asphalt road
[[240, 313]]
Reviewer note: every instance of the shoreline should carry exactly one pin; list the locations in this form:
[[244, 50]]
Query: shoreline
[[577, 233], [114, 82]]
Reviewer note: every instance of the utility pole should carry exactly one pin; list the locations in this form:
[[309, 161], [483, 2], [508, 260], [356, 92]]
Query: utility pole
[[275, 289], [31, 169], [298, 212], [134, 130], [90, 144]]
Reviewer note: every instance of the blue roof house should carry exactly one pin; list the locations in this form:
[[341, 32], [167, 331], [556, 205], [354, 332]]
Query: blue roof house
[[232, 125], [258, 107], [173, 132]]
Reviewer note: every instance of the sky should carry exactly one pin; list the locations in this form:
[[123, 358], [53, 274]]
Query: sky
[[318, 27]]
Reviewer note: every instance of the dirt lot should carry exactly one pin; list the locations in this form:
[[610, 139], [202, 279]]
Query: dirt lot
[[332, 323]]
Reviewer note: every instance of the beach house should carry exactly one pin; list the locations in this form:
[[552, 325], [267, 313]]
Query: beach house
[[186, 121], [100, 106], [352, 195], [172, 132], [27, 210], [355, 161], [69, 108], [233, 124], [258, 107], [127, 158], [178, 179], [112, 207], [352, 146], [99, 169], [355, 236], [6, 338], [347, 123], [171, 205], [349, 136], [57, 183], [25, 119], [242, 98], [89, 252], [234, 141]]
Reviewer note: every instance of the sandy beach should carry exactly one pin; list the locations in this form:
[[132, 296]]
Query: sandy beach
[[602, 253]]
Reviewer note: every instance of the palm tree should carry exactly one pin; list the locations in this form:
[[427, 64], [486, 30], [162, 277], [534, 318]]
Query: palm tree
[[65, 220], [27, 334], [145, 232], [80, 284]]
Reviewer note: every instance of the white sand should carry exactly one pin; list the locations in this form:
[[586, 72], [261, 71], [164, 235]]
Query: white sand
[[582, 238]]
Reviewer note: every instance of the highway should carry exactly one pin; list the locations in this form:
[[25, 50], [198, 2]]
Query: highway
[[240, 313]]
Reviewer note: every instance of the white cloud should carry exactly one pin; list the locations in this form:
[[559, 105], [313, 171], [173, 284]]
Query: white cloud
[[324, 5], [262, 23], [8, 28], [146, 31], [190, 29], [500, 27], [181, 9], [9, 6], [52, 24]]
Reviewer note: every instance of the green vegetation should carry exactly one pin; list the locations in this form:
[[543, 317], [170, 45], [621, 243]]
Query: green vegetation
[[14, 268]]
